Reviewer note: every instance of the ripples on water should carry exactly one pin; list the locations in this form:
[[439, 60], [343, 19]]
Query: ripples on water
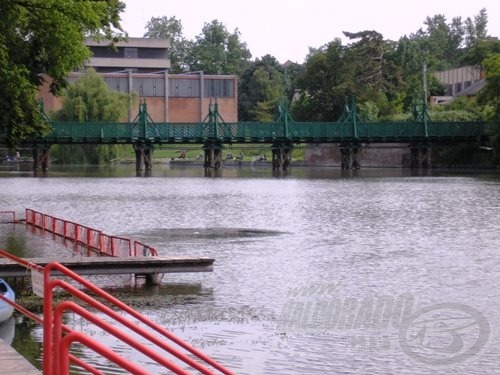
[[371, 234]]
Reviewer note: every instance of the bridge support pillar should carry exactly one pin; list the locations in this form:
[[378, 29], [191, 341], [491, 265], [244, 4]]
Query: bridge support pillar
[[41, 157], [350, 157], [281, 156], [213, 156], [421, 157], [143, 156]]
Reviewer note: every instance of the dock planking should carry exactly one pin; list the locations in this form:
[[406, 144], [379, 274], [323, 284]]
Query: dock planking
[[114, 266], [13, 363]]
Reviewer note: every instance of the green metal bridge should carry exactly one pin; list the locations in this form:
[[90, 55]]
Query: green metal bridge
[[349, 132]]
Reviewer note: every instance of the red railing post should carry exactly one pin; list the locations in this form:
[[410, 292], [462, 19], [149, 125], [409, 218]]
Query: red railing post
[[47, 323]]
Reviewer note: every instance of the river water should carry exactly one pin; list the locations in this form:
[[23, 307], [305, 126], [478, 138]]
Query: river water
[[316, 272]]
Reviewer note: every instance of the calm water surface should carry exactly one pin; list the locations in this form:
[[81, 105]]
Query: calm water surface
[[317, 272]]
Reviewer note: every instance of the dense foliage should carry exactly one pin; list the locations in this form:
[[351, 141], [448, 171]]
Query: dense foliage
[[214, 51], [39, 38], [90, 100], [385, 76], [44, 37]]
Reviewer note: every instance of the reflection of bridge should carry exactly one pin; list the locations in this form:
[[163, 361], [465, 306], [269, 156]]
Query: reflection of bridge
[[349, 132]]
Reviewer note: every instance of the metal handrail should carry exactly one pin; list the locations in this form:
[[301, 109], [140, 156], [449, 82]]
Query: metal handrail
[[53, 345], [91, 238], [12, 213]]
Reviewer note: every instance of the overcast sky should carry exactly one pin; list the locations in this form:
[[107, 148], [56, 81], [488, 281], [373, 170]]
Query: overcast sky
[[286, 29]]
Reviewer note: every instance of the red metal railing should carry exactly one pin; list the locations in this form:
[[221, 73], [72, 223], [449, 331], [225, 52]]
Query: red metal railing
[[141, 249], [115, 246], [57, 338], [91, 239], [7, 216]]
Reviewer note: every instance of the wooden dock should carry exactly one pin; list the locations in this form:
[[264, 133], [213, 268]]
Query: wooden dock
[[13, 363], [149, 265]]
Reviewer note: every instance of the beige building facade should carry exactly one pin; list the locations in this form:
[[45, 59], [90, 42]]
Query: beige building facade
[[141, 66]]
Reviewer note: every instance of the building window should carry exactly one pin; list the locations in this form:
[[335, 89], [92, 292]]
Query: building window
[[219, 88], [458, 87], [184, 87], [119, 84], [130, 53], [149, 86]]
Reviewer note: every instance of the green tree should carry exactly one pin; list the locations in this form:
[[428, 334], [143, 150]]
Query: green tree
[[476, 30], [442, 42], [480, 51], [171, 28], [262, 85], [490, 98], [375, 75], [365, 68], [44, 37], [324, 84], [217, 51], [90, 100]]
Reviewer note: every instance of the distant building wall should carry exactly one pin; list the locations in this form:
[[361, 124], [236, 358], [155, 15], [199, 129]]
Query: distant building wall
[[140, 66], [456, 80], [170, 98]]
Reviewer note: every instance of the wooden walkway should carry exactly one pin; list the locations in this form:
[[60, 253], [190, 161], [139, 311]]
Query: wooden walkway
[[148, 265], [13, 363]]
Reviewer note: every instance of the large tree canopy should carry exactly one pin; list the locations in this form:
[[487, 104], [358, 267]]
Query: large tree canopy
[[218, 51], [45, 37], [171, 28], [87, 100]]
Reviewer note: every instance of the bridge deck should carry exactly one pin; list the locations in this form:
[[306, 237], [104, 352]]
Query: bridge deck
[[115, 266], [13, 363]]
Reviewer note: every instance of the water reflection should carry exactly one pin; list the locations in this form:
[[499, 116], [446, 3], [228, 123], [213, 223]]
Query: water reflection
[[432, 234], [7, 330]]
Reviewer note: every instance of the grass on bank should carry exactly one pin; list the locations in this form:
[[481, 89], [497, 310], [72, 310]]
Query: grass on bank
[[194, 151]]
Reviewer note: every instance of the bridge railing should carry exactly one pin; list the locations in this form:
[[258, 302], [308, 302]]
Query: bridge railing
[[258, 131], [393, 130], [320, 130], [457, 129], [251, 131]]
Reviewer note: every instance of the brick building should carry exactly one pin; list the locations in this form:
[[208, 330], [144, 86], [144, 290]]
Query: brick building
[[141, 65]]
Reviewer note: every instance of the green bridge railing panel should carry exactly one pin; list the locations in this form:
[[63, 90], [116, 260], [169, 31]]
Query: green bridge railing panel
[[259, 132]]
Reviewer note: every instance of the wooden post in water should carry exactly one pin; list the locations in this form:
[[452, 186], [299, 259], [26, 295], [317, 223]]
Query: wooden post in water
[[282, 156], [213, 156], [41, 157], [421, 157], [143, 156], [350, 156]]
